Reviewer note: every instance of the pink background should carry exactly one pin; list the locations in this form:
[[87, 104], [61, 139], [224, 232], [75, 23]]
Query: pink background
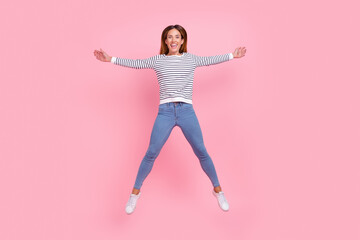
[[281, 124]]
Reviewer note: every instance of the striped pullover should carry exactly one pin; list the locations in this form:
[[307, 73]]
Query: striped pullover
[[175, 73]]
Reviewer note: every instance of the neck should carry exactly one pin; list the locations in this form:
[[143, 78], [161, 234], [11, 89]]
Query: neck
[[169, 54]]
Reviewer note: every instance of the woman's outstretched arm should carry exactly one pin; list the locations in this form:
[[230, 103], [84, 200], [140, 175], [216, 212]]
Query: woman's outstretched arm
[[211, 60], [125, 62]]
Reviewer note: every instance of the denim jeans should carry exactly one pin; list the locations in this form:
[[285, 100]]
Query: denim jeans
[[173, 114]]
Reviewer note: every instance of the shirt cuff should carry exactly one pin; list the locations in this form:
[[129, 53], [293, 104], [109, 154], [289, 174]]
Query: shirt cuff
[[113, 59], [231, 56]]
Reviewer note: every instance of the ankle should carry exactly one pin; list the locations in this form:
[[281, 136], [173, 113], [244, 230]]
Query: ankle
[[217, 189], [135, 191]]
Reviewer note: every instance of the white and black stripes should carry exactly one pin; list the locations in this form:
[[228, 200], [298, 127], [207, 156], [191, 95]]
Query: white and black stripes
[[175, 73], [207, 61], [136, 63]]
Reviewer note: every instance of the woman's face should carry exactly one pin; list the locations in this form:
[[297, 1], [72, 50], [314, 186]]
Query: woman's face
[[174, 41]]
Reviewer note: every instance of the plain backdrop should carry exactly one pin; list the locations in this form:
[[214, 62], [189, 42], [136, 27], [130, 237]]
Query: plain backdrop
[[281, 124]]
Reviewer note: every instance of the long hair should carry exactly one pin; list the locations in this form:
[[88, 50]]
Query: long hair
[[164, 48]]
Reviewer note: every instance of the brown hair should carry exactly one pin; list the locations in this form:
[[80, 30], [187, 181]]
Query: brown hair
[[164, 48]]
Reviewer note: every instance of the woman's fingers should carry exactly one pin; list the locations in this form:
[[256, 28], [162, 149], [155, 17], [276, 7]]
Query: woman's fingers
[[100, 55], [240, 52], [103, 52]]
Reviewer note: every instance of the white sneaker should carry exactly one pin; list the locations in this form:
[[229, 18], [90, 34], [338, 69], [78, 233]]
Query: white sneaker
[[224, 205], [131, 204]]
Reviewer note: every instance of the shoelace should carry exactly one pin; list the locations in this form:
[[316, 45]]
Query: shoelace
[[132, 201], [221, 198]]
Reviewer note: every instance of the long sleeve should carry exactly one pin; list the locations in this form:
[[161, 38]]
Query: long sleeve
[[211, 60], [135, 63]]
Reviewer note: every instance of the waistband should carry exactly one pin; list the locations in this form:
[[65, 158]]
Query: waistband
[[174, 104]]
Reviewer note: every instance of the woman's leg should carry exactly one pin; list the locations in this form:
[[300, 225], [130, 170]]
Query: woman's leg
[[190, 126], [163, 125]]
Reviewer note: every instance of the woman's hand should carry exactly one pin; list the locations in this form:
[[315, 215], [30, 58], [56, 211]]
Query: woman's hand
[[102, 56], [239, 52]]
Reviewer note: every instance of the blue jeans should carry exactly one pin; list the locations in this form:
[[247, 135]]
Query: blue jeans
[[173, 114]]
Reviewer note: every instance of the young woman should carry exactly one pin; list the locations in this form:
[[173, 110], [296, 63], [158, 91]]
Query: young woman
[[174, 68]]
